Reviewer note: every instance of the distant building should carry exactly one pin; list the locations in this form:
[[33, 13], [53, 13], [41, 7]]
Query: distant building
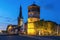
[[12, 29], [17, 28]]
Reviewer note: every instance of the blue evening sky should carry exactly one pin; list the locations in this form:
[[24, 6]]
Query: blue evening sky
[[9, 11]]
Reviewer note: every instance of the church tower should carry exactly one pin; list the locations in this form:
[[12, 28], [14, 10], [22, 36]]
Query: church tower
[[20, 18], [33, 16], [20, 21]]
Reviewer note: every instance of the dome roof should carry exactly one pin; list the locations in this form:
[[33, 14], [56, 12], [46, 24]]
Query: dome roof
[[33, 5]]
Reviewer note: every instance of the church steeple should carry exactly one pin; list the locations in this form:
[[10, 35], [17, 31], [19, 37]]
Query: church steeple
[[20, 14], [20, 18], [20, 21]]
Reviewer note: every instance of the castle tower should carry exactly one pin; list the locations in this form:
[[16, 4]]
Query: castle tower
[[20, 21], [33, 16]]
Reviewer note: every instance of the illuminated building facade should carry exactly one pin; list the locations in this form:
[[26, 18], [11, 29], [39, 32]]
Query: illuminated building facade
[[33, 16], [12, 29], [34, 25]]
